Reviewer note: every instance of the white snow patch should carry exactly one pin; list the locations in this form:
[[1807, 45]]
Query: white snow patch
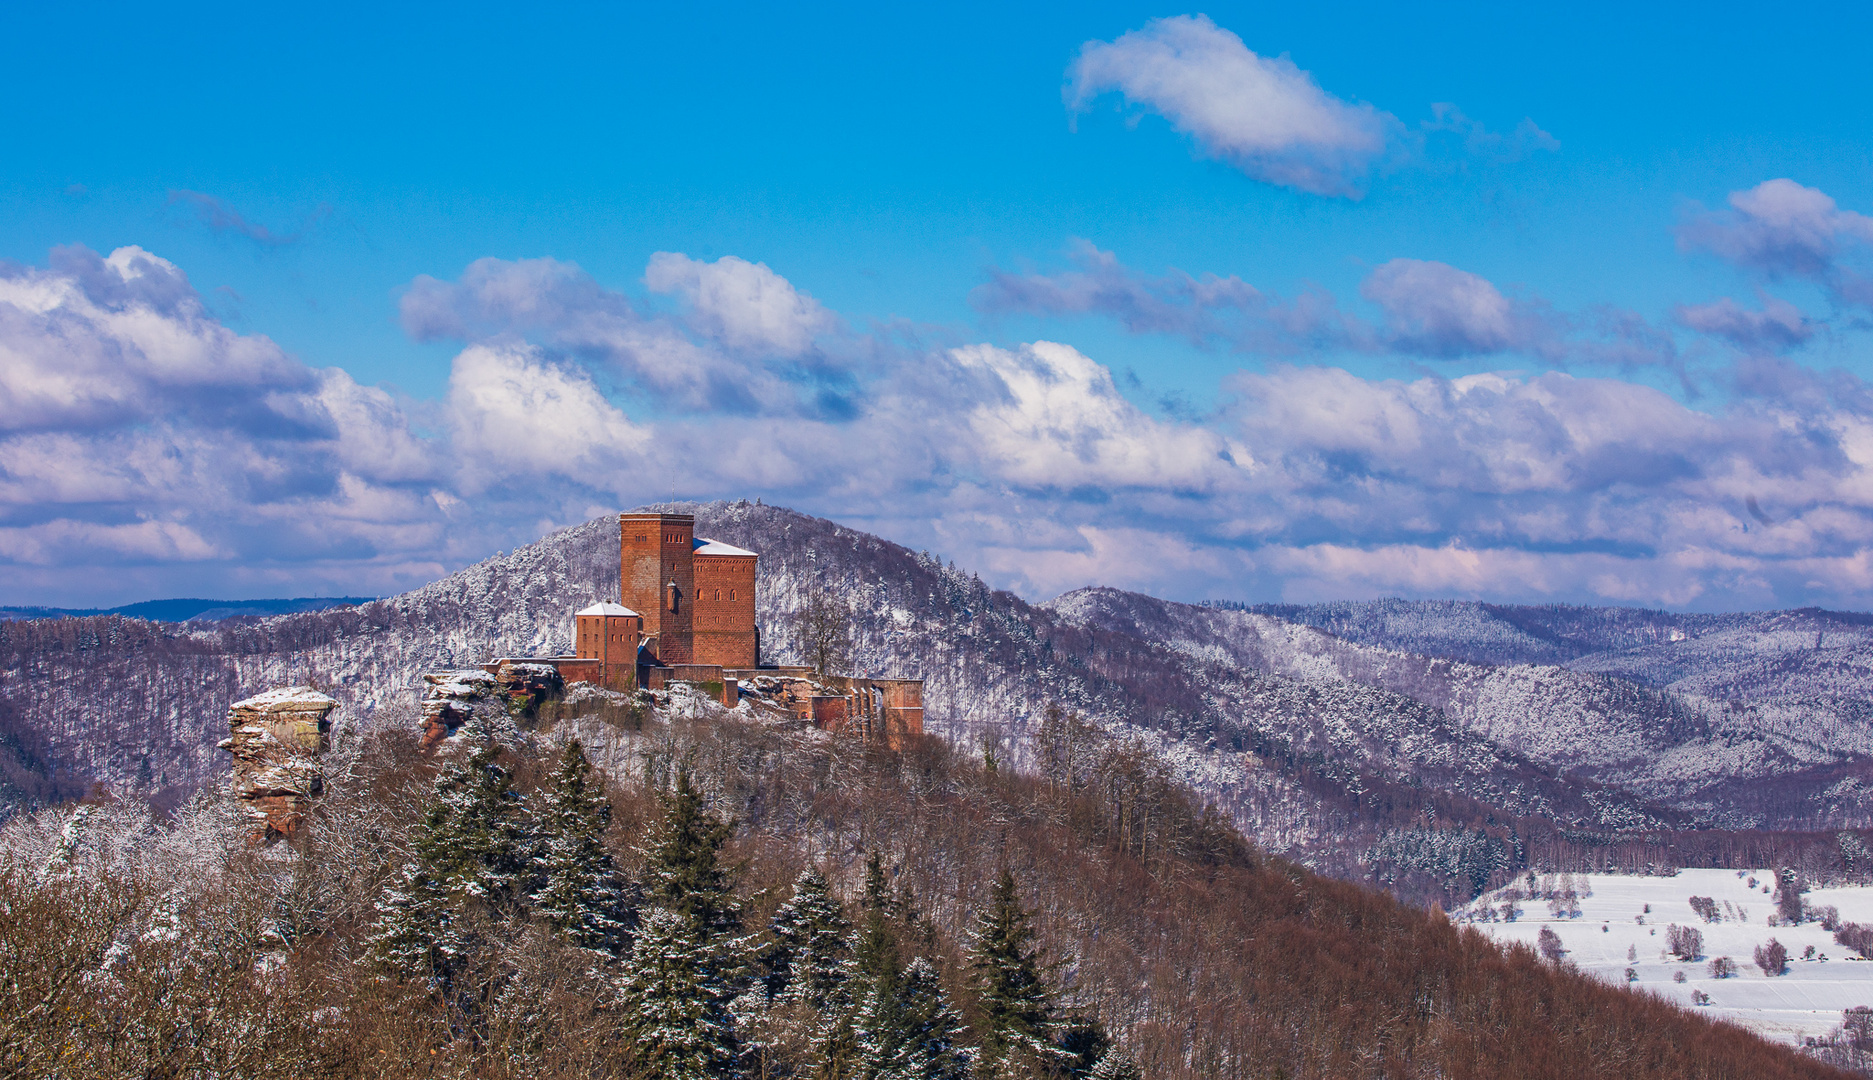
[[1807, 1001]]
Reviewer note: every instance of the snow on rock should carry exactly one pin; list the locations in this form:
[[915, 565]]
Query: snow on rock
[[453, 698], [276, 739]]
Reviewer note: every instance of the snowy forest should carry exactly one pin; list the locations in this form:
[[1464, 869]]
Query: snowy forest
[[601, 891], [1138, 838]]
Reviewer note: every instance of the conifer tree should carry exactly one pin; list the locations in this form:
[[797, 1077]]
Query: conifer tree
[[677, 997], [471, 850], [1116, 1064], [1019, 1026], [908, 1030], [578, 892], [685, 968], [811, 959], [683, 870], [904, 1027], [875, 951]]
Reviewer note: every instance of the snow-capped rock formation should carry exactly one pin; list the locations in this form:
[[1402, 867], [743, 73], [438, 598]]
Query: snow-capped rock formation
[[276, 739]]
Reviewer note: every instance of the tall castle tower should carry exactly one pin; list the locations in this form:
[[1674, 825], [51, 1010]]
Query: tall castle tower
[[696, 595], [657, 579]]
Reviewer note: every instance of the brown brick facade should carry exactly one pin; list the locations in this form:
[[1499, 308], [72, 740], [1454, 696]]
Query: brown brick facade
[[657, 580], [724, 620], [611, 640]]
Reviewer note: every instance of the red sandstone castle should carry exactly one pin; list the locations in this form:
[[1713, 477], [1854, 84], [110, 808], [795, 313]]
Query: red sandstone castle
[[687, 603], [687, 615]]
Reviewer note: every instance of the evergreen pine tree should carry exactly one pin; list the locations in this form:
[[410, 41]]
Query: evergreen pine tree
[[907, 1030], [1116, 1064], [811, 958], [1018, 1027], [903, 1024], [578, 893], [683, 870], [685, 968], [472, 850], [676, 994]]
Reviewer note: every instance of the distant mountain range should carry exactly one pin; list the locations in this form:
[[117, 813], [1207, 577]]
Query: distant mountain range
[[1428, 746], [191, 609]]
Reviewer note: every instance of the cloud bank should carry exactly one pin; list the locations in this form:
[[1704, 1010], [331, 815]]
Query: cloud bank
[[147, 449], [1420, 308]]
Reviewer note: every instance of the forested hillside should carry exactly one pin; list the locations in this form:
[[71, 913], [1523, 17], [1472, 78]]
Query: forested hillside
[[721, 898], [1431, 776], [1785, 754]]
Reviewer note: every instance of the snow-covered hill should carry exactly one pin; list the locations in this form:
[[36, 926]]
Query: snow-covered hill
[[1363, 761], [1700, 723], [1619, 923]]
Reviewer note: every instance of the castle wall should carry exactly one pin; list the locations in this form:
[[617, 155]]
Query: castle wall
[[654, 551], [724, 614]]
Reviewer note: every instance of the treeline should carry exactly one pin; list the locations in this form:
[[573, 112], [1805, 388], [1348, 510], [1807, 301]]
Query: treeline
[[1837, 857], [734, 900]]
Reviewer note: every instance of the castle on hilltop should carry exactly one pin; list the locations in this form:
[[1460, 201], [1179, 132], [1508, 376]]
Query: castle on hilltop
[[685, 614]]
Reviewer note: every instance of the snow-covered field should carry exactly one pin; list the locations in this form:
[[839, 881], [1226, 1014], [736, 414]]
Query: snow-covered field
[[1613, 919]]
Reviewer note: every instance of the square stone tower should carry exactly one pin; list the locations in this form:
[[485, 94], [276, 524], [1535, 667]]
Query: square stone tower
[[657, 579], [609, 633], [724, 622]]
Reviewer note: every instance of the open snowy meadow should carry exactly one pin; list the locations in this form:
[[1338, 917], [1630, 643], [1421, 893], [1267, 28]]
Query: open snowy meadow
[[1616, 924]]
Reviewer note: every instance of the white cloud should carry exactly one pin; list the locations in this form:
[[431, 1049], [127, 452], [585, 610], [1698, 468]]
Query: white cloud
[[516, 415], [55, 542], [125, 337], [743, 305], [1261, 114], [1779, 324], [747, 349], [1438, 310], [1060, 422], [1780, 228]]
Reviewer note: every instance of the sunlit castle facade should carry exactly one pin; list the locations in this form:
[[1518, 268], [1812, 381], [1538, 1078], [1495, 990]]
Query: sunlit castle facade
[[685, 614], [695, 595]]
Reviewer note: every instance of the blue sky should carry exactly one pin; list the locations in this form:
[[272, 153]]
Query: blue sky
[[1558, 204]]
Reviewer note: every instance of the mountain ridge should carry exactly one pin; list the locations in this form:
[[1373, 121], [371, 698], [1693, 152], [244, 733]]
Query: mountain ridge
[[1314, 747]]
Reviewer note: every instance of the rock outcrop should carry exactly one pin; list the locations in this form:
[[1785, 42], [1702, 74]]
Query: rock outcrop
[[276, 739], [453, 698]]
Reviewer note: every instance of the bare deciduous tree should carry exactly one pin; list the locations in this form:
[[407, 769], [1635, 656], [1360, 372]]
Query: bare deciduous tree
[[1772, 957], [1550, 945], [822, 630], [1685, 942]]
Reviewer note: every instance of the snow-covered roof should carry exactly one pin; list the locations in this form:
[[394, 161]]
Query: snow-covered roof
[[702, 545], [607, 608]]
